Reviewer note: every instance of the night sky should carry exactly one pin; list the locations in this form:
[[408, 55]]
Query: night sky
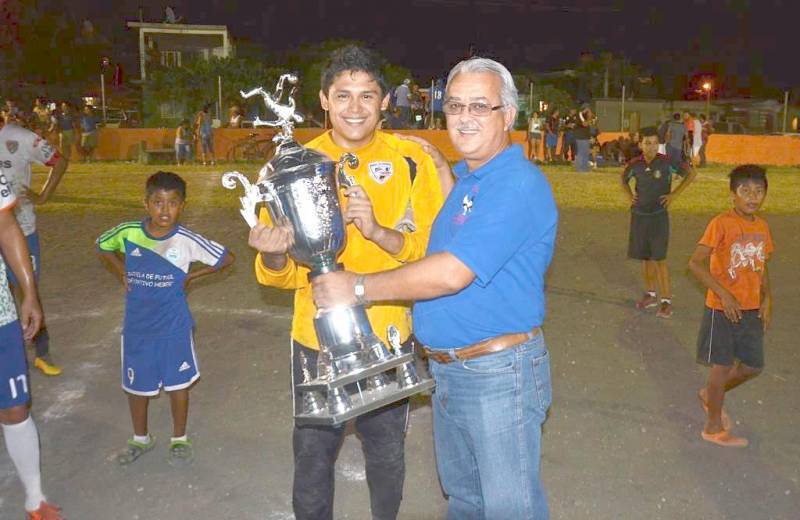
[[736, 38]]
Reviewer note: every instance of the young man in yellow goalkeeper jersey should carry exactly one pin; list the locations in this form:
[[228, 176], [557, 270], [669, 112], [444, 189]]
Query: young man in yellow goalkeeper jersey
[[389, 214]]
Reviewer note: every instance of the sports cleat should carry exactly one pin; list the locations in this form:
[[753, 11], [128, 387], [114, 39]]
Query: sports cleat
[[647, 302], [46, 367], [45, 512], [664, 310]]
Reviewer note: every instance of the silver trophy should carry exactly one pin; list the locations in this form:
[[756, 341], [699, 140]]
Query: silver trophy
[[356, 373]]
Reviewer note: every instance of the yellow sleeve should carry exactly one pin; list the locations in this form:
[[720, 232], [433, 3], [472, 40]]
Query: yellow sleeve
[[286, 278], [426, 201]]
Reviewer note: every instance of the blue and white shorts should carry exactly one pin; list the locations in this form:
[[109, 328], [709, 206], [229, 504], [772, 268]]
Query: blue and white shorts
[[151, 363], [14, 382]]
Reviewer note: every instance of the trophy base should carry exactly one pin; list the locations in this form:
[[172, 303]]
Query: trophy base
[[315, 385], [364, 401]]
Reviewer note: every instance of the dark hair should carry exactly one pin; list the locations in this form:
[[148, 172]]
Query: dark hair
[[747, 173], [206, 107], [702, 117], [166, 181], [648, 131], [676, 116], [353, 59]]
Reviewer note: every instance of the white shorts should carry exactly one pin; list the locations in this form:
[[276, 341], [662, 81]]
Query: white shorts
[[696, 149]]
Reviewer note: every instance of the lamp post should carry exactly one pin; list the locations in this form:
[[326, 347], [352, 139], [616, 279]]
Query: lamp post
[[707, 86], [104, 63]]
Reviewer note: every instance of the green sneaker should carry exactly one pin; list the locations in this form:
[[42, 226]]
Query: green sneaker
[[181, 453], [135, 450]]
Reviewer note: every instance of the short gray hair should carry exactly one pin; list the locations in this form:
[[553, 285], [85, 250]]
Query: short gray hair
[[508, 90]]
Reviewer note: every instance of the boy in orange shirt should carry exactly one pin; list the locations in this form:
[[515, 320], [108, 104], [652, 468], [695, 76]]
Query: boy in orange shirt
[[738, 302]]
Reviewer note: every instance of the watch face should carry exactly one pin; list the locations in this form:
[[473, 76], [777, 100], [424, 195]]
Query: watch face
[[359, 287]]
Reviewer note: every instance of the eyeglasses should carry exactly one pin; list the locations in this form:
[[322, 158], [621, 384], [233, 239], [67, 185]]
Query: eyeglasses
[[454, 108]]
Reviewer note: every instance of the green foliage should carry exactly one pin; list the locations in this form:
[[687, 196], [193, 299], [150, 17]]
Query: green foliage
[[546, 93], [188, 88], [52, 52], [309, 60]]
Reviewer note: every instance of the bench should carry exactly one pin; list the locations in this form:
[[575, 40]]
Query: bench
[[156, 155]]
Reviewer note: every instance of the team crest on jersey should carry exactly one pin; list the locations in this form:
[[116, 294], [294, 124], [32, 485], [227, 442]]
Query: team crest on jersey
[[12, 146], [173, 255], [380, 171]]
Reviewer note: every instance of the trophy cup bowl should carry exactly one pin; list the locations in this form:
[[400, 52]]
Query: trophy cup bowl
[[302, 190]]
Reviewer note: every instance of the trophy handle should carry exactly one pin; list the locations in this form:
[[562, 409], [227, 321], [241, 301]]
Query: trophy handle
[[252, 196], [348, 181]]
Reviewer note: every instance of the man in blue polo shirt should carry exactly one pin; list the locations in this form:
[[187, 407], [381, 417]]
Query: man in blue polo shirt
[[480, 304]]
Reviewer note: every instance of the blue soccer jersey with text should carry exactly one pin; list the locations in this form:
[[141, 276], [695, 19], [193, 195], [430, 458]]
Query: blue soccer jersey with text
[[156, 270]]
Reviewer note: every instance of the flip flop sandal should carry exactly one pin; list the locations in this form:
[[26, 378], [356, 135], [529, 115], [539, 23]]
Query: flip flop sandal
[[181, 453], [724, 438], [134, 451]]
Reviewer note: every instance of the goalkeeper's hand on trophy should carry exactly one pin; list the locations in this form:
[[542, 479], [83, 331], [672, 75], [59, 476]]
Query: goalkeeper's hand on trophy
[[271, 240], [359, 211]]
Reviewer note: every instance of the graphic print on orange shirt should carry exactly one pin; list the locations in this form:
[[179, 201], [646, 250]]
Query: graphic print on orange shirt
[[740, 249]]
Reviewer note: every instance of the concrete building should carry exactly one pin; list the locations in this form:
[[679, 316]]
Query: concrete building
[[172, 44]]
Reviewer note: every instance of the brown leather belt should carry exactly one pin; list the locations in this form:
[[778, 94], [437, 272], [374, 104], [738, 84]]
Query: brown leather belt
[[487, 346]]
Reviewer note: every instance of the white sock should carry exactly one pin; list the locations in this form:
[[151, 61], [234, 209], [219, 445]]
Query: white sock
[[22, 442], [142, 439], [183, 438]]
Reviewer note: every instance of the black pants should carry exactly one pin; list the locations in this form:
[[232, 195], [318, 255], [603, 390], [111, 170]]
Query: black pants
[[382, 433]]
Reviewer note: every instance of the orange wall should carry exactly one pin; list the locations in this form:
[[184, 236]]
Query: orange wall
[[776, 150], [122, 143]]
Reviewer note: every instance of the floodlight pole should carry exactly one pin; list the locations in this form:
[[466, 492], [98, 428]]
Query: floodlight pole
[[708, 104], [103, 93], [622, 111], [785, 109], [219, 94], [430, 118]]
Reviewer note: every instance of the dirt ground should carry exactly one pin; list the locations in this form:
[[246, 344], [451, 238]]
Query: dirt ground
[[622, 440]]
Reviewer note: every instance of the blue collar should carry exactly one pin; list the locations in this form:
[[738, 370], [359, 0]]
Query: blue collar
[[510, 154]]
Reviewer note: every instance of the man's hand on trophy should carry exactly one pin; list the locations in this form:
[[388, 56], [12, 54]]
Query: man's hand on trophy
[[359, 211], [271, 240], [334, 289]]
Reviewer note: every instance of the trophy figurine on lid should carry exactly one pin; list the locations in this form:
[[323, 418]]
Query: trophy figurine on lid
[[356, 373]]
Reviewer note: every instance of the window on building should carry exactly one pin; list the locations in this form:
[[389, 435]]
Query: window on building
[[171, 59]]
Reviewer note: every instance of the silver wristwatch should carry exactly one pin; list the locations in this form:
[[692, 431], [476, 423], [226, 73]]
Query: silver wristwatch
[[360, 290]]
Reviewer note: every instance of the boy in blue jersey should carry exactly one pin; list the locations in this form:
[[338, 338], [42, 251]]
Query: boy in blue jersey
[[157, 337]]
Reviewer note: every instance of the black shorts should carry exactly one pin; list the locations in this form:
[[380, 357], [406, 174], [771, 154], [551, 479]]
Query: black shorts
[[722, 342], [649, 236]]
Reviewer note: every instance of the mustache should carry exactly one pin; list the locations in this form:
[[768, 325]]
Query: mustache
[[467, 127]]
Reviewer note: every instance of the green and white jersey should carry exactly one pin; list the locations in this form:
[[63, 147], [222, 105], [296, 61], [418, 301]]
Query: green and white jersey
[[156, 270]]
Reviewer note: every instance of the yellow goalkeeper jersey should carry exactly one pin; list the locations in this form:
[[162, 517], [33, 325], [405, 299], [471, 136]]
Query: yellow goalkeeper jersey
[[402, 183]]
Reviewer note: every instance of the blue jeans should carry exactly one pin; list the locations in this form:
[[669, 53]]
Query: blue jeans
[[487, 428], [582, 155]]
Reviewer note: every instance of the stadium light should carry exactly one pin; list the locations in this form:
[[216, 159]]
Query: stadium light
[[707, 87]]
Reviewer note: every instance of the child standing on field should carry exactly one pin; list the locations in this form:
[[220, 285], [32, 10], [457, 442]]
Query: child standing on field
[[183, 142], [738, 302], [649, 229], [157, 337]]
